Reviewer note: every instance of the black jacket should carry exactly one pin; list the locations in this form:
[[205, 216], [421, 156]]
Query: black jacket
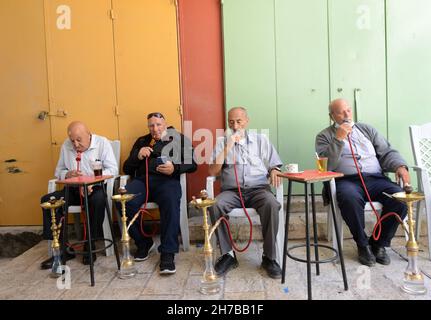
[[174, 145]]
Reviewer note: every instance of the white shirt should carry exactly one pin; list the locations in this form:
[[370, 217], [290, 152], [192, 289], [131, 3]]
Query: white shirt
[[254, 157], [100, 148], [365, 155]]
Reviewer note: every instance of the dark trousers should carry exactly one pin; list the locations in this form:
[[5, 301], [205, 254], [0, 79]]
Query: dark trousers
[[96, 203], [351, 199], [166, 192]]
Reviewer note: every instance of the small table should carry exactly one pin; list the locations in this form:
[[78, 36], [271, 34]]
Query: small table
[[309, 177], [85, 181]]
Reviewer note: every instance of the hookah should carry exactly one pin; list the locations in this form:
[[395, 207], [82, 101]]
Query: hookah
[[127, 268], [210, 283], [52, 205], [413, 281]]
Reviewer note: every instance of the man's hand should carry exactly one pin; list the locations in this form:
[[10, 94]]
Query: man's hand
[[275, 178], [167, 168], [234, 138], [343, 130], [73, 173], [145, 152], [402, 174]]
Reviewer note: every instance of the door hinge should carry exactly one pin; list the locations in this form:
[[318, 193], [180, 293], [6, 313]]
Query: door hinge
[[117, 110], [180, 110], [112, 14], [176, 3]]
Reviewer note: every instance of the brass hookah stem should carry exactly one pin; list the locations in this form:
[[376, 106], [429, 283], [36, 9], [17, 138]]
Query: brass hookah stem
[[125, 234], [55, 230], [207, 245], [412, 247], [209, 231]]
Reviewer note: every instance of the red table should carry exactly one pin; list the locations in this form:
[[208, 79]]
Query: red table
[[85, 181], [309, 177]]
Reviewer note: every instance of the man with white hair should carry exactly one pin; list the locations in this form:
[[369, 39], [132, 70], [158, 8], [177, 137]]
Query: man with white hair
[[87, 147], [374, 156], [252, 158]]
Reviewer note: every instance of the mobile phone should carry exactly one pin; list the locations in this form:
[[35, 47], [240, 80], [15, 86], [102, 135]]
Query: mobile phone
[[161, 160]]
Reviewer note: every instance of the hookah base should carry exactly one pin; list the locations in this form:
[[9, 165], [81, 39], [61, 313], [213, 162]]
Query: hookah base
[[57, 270], [210, 287], [414, 288], [126, 274], [55, 274]]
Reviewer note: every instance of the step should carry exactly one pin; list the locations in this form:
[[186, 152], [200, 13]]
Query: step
[[241, 230]]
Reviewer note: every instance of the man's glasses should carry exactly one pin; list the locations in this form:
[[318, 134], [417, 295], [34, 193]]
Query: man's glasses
[[155, 114]]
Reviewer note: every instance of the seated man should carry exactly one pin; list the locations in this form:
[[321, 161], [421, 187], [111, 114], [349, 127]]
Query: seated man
[[164, 186], [374, 156], [256, 159], [90, 147]]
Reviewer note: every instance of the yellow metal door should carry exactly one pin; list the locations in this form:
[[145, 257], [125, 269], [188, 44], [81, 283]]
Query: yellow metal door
[[146, 55], [81, 67], [24, 93]]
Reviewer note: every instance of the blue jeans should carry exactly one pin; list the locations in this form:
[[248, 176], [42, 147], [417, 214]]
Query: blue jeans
[[166, 192], [351, 200]]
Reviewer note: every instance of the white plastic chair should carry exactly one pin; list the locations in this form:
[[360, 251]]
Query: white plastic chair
[[76, 210], [239, 212], [184, 222], [331, 231], [421, 145]]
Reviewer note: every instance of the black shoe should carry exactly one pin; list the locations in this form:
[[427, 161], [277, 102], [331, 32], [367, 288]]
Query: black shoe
[[225, 263], [380, 253], [365, 256], [143, 252], [271, 267], [167, 265], [47, 264]]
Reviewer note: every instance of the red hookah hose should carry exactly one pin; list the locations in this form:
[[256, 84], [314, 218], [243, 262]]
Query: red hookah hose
[[226, 222], [144, 210], [378, 225], [79, 246]]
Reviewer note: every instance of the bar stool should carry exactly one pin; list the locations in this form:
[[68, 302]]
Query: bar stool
[[84, 182], [309, 177]]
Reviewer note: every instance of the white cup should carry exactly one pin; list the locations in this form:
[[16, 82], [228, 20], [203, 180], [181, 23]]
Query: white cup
[[291, 168]]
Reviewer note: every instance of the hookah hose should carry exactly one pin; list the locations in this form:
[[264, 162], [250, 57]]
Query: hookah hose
[[378, 226], [143, 211], [78, 246], [226, 222]]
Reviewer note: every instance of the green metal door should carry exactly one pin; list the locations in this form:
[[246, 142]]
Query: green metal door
[[357, 57], [409, 70], [302, 78], [249, 61]]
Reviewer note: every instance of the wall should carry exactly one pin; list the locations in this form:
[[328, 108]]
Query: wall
[[285, 60], [107, 63], [202, 78]]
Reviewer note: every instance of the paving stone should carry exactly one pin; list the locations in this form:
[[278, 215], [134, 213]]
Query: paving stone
[[21, 278], [110, 293], [83, 291], [244, 295]]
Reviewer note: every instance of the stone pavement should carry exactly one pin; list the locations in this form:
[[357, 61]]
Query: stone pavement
[[21, 278]]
